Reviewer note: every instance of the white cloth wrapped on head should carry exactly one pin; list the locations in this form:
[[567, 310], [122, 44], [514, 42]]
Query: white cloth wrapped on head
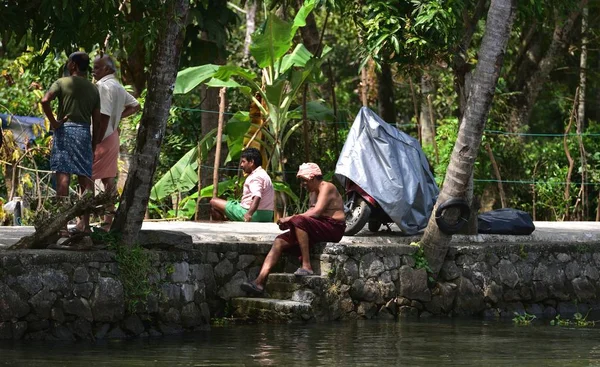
[[308, 171]]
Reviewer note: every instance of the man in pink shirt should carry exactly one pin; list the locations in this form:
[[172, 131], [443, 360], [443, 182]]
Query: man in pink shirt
[[258, 196]]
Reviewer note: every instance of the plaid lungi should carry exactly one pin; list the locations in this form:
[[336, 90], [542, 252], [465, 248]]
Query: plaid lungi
[[72, 149]]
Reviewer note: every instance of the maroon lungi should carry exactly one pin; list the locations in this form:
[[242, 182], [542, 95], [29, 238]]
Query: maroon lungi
[[322, 229]]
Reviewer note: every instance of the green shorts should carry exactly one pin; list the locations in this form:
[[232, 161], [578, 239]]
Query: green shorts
[[235, 212]]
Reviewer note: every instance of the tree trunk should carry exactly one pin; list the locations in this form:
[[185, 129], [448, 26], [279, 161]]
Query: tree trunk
[[251, 6], [427, 88], [524, 102], [460, 65], [581, 110], [385, 91], [134, 200], [491, 56]]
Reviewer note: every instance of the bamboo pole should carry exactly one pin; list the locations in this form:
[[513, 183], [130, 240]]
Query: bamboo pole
[[497, 173], [415, 106], [219, 138], [199, 171], [305, 125], [432, 124], [566, 194]]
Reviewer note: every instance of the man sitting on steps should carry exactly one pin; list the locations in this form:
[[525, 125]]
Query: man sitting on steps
[[324, 221]]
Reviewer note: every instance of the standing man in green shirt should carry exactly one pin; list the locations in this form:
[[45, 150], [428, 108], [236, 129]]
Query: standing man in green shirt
[[78, 106]]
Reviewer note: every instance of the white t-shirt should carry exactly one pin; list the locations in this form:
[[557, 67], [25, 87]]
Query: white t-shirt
[[113, 99]]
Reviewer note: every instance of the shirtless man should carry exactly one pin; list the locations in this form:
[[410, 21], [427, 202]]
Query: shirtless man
[[324, 221]]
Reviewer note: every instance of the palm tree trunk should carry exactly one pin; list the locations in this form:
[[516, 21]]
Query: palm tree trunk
[[134, 200], [491, 57]]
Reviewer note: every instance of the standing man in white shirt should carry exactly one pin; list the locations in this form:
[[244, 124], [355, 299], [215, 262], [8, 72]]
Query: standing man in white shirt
[[115, 104]]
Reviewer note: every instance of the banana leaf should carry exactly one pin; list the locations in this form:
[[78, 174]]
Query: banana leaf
[[183, 176], [190, 78]]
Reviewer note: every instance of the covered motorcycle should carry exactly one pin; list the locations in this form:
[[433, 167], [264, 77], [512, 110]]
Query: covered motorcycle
[[391, 168]]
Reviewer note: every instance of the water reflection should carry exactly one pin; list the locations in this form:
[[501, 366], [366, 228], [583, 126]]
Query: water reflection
[[361, 343]]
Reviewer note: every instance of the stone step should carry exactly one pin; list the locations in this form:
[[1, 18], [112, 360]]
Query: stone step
[[271, 310], [291, 287]]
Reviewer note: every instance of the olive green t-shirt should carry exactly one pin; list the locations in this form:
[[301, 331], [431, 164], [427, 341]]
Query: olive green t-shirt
[[77, 98]]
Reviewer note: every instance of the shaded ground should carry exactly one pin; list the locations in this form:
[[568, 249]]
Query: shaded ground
[[569, 232]]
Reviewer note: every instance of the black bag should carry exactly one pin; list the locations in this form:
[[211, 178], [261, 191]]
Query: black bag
[[505, 221]]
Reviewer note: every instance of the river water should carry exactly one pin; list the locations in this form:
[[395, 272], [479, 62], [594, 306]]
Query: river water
[[356, 343]]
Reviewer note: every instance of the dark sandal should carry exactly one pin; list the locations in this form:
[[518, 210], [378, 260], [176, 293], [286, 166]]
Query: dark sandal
[[252, 288]]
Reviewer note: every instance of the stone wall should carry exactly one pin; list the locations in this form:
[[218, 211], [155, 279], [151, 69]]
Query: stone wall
[[46, 294], [490, 280]]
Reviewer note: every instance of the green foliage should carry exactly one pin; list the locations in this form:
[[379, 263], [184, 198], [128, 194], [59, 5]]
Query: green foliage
[[410, 32], [421, 261], [578, 321], [135, 270], [523, 319]]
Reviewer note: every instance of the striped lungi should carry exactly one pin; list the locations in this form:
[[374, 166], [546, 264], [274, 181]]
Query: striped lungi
[[72, 149]]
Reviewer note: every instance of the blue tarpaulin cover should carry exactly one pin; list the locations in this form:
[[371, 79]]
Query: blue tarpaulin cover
[[391, 167], [22, 127]]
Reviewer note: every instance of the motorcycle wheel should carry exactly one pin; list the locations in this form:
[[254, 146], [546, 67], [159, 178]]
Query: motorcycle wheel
[[357, 216], [374, 225]]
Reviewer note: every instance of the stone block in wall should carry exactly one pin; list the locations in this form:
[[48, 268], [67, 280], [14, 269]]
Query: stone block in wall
[[408, 260], [171, 293], [367, 310], [365, 290], [584, 290], [11, 305], [232, 288], [442, 298], [508, 273], [5, 330], [107, 301], [392, 262], [449, 270], [244, 261], [526, 293], [187, 292], [525, 272], [469, 299], [181, 272], [81, 275], [370, 266], [350, 270], [83, 289], [540, 291], [591, 272], [42, 302], [81, 328], [191, 315], [134, 325], [572, 270], [413, 284], [32, 283], [492, 293], [79, 307], [61, 332], [534, 309], [408, 312], [223, 271], [55, 280]]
